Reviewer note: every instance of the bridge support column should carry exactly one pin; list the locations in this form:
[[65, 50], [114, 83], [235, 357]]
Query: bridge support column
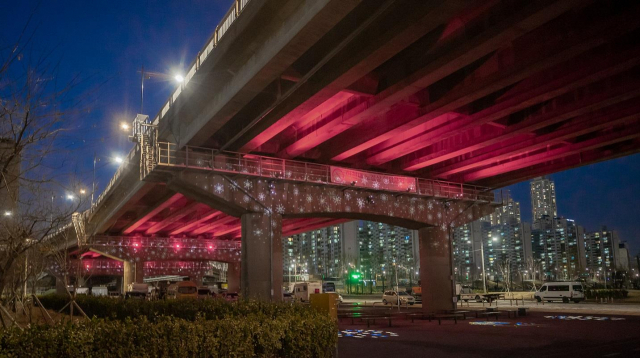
[[132, 272], [233, 277], [436, 270], [261, 273]]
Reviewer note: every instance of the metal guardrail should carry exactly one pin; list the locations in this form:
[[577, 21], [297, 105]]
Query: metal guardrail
[[276, 168], [227, 20]]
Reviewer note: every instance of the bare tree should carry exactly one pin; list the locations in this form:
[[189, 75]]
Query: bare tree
[[34, 110], [504, 267]]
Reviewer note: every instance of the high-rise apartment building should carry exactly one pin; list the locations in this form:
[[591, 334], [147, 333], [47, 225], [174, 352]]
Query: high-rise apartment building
[[386, 248], [507, 214], [601, 249], [504, 239], [373, 248], [543, 199], [558, 244]]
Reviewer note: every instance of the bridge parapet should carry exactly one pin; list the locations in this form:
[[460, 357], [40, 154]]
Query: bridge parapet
[[169, 156]]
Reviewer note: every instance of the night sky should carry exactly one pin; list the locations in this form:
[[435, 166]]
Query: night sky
[[106, 42]]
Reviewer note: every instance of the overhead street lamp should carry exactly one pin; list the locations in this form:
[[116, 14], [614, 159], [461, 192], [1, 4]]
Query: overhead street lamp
[[149, 74], [96, 159]]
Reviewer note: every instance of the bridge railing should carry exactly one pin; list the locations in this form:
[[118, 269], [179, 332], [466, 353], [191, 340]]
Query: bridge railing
[[250, 164], [223, 27]]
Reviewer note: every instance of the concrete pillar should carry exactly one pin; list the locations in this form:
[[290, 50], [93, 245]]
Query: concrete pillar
[[233, 277], [129, 274], [436, 275], [139, 272], [261, 273]]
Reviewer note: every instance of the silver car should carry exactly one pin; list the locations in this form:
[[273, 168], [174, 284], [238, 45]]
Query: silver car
[[394, 298]]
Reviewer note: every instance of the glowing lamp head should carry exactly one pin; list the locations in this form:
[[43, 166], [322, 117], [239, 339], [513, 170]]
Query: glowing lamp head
[[177, 246], [210, 247], [118, 160], [179, 78], [125, 126], [136, 245], [82, 191]]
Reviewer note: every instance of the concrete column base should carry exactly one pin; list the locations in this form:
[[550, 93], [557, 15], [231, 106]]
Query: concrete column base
[[436, 277], [261, 273]]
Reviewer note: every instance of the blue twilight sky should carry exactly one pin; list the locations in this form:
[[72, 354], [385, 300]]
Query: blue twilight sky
[[105, 43]]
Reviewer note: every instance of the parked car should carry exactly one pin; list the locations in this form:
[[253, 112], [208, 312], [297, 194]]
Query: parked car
[[182, 289], [204, 293], [230, 296], [137, 290], [560, 291], [394, 298]]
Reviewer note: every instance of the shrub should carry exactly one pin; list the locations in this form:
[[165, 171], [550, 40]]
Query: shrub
[[609, 293], [177, 328]]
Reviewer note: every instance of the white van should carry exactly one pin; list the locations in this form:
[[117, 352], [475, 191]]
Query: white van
[[302, 290], [560, 291]]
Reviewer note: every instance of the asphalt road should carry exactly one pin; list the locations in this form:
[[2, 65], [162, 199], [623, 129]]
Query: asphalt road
[[539, 334], [573, 308]]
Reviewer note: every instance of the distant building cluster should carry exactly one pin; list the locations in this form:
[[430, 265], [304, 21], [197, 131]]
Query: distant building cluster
[[551, 248]]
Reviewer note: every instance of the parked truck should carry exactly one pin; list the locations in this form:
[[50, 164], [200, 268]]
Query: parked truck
[[466, 294], [302, 290], [463, 293]]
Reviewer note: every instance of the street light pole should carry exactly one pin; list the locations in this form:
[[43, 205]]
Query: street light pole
[[484, 275], [141, 88]]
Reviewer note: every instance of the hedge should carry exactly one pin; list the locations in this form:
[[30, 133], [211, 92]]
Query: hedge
[[176, 328], [285, 336], [189, 309], [613, 293]]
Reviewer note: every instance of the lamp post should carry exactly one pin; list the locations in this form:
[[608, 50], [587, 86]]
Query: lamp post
[[178, 78], [96, 159]]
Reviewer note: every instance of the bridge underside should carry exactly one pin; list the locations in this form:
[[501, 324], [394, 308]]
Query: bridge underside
[[487, 92], [186, 215]]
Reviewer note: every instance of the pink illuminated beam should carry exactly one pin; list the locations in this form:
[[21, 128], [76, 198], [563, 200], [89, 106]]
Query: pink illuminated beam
[[149, 215]]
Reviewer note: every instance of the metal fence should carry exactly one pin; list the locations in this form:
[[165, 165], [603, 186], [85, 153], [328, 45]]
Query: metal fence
[[250, 164]]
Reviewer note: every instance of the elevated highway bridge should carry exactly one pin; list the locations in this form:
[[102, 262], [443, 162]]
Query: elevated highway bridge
[[302, 114]]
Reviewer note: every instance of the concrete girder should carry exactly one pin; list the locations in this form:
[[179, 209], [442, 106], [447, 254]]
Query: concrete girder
[[306, 200], [447, 63], [564, 82], [626, 134], [284, 32], [564, 163], [579, 126], [354, 62], [173, 217]]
